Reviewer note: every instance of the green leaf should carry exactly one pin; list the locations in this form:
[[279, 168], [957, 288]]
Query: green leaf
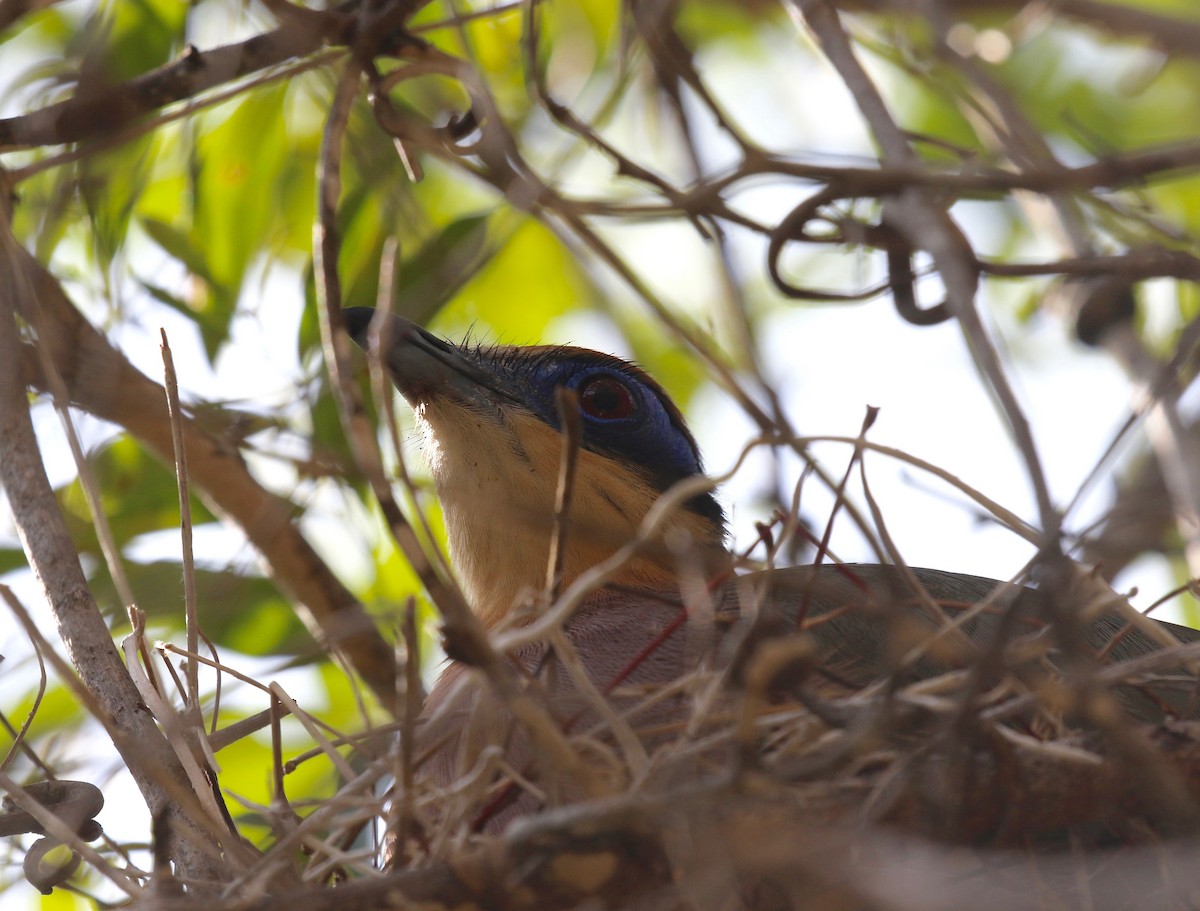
[[237, 611], [11, 559], [138, 493], [213, 322], [530, 279], [142, 34], [242, 172], [423, 283], [439, 269], [111, 184], [178, 244], [59, 710]]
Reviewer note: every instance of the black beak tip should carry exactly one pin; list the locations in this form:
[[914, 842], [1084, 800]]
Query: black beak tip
[[358, 321]]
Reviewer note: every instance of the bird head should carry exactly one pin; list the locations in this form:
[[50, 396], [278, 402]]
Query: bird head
[[494, 445]]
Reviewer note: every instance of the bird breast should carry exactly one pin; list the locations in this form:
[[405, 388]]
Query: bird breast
[[497, 485]]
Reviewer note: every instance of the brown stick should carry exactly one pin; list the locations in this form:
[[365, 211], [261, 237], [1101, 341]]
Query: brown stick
[[56, 567], [102, 382]]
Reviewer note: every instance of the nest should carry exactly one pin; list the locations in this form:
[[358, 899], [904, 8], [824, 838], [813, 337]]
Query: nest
[[813, 738], [1050, 759]]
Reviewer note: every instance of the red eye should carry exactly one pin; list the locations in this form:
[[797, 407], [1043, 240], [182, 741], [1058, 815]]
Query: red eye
[[606, 398]]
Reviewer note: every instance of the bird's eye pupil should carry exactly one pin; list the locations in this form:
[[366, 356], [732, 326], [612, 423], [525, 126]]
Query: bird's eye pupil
[[607, 398]]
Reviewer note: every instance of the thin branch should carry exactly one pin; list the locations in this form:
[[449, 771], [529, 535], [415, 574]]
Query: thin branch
[[65, 832], [56, 567], [929, 227], [100, 380], [98, 109], [467, 636], [185, 526], [19, 743], [566, 403]]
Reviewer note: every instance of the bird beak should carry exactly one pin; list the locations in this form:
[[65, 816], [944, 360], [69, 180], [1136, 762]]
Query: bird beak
[[423, 367]]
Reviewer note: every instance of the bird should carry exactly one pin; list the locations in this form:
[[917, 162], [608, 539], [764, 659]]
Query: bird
[[493, 438]]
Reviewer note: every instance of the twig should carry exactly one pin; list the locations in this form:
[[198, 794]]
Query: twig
[[259, 876], [338, 762], [402, 824], [178, 798], [469, 638], [102, 381], [56, 827], [379, 341], [93, 110], [839, 493], [187, 740], [87, 477], [18, 737], [56, 566], [129, 133], [192, 622], [336, 343], [566, 403], [926, 226], [595, 577]]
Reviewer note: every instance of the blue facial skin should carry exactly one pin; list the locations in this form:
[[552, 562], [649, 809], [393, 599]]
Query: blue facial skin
[[653, 437]]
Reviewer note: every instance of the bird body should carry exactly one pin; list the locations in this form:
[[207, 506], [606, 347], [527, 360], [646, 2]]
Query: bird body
[[494, 446]]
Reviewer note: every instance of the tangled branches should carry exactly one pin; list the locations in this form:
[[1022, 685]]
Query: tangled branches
[[746, 799]]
